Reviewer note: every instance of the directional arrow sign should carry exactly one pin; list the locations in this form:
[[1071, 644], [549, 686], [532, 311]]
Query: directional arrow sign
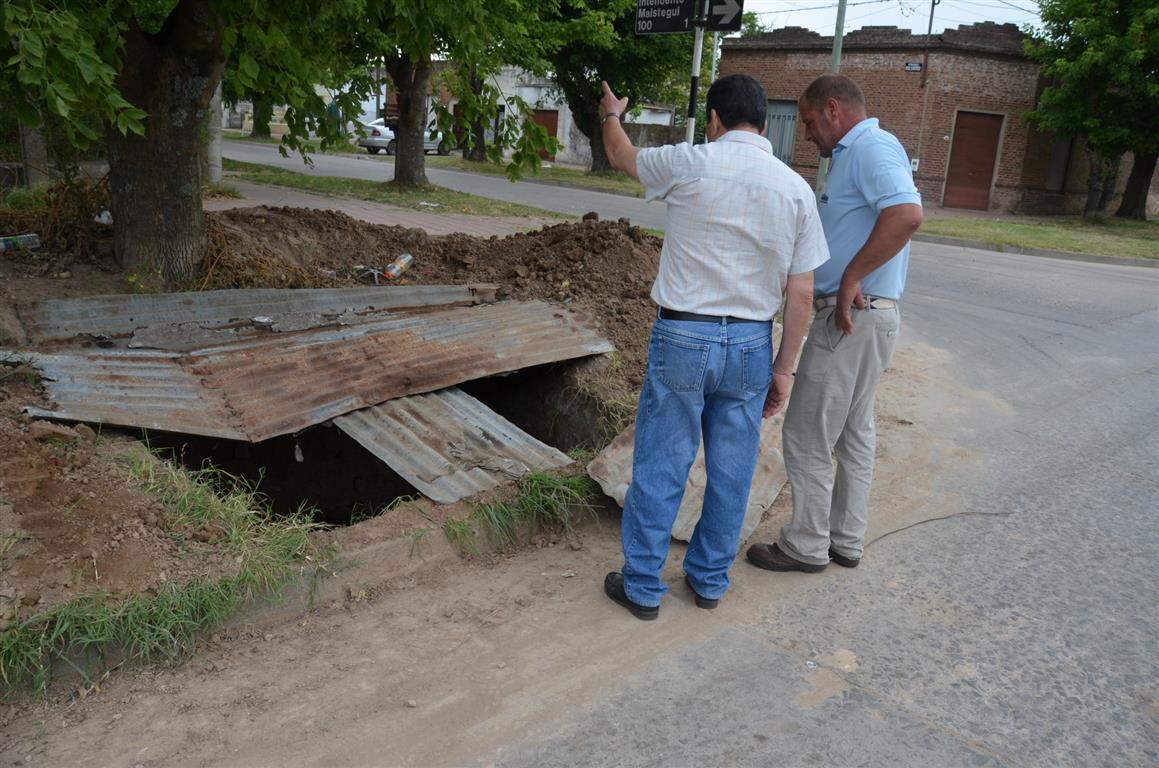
[[724, 15], [656, 17]]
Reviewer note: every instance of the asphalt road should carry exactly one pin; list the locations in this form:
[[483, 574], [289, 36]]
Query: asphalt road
[[576, 202], [1020, 630]]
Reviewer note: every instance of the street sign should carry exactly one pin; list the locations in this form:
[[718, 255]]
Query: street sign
[[724, 15], [658, 17]]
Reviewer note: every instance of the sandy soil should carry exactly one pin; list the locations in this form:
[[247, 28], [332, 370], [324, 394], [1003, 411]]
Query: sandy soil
[[410, 655], [71, 520]]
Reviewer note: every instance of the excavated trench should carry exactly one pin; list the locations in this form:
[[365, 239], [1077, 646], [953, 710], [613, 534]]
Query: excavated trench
[[323, 469]]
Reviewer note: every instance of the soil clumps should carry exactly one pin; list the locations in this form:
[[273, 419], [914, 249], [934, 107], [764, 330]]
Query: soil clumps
[[72, 517]]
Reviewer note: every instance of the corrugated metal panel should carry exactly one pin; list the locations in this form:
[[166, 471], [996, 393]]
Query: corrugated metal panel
[[152, 390], [120, 315], [261, 388], [447, 444], [612, 469]]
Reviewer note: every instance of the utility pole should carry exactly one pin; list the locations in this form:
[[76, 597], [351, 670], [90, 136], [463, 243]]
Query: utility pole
[[925, 79], [715, 54], [834, 68]]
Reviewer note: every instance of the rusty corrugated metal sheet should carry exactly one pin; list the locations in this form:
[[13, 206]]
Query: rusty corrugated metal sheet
[[152, 390], [612, 469], [119, 315], [260, 388], [447, 444]]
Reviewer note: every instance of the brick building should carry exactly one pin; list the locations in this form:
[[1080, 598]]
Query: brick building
[[955, 100]]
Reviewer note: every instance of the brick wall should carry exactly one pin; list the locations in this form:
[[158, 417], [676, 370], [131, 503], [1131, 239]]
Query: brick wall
[[976, 69]]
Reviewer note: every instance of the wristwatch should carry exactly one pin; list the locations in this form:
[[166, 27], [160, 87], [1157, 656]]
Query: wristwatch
[[604, 119]]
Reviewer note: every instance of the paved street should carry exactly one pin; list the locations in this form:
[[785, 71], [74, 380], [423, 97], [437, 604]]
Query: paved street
[[1020, 631], [1015, 625], [553, 198]]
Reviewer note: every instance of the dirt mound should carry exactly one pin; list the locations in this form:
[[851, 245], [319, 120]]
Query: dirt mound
[[604, 268], [72, 519]]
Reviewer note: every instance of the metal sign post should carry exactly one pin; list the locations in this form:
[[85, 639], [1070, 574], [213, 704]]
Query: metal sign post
[[697, 46], [655, 17]]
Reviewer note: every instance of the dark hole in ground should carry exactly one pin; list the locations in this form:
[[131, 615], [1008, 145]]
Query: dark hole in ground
[[544, 402], [336, 476], [324, 469]]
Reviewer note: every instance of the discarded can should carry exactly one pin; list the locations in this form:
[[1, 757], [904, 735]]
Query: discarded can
[[19, 241], [397, 267]]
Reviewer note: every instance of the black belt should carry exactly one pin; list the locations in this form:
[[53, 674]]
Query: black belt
[[672, 314]]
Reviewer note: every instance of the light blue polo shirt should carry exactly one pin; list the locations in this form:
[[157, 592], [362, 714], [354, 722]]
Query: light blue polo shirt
[[869, 172]]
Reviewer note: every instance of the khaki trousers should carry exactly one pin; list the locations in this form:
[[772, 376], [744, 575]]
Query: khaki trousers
[[830, 415]]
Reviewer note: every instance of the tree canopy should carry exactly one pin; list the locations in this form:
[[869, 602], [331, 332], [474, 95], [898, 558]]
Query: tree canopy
[[1101, 62], [141, 74], [601, 44]]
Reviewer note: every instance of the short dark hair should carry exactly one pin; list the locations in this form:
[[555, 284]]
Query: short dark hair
[[738, 100], [839, 87]]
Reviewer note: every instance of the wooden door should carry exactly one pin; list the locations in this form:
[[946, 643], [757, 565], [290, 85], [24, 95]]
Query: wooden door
[[549, 119], [972, 157]]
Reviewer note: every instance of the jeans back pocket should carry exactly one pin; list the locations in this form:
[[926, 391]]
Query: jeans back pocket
[[680, 363], [757, 366]]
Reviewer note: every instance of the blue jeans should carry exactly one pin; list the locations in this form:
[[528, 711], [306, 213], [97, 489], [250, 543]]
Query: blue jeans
[[707, 379]]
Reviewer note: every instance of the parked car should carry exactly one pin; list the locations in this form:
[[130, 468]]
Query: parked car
[[377, 137], [380, 137]]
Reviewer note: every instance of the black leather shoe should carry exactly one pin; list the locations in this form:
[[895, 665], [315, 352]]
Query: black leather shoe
[[771, 558], [614, 588], [842, 560], [707, 603]]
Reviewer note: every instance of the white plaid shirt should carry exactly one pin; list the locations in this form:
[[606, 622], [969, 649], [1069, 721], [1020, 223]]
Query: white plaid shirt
[[739, 222]]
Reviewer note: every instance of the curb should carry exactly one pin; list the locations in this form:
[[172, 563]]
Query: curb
[[1092, 258]]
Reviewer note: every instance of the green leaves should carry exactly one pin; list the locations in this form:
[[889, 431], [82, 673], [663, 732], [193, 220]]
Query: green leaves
[[1101, 58], [56, 66]]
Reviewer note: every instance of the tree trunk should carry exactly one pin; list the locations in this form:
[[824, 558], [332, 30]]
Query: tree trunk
[[1134, 202], [34, 155], [478, 150], [595, 135], [412, 80], [263, 113], [1110, 181], [212, 173], [1101, 173], [155, 179]]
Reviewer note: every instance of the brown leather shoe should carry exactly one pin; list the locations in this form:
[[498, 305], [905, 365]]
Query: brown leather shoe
[[771, 558]]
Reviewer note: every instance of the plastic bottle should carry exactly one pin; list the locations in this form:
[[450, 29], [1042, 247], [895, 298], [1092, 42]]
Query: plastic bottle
[[397, 267], [19, 241]]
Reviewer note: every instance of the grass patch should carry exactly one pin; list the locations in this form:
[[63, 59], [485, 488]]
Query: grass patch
[[427, 198], [461, 534], [1109, 237], [614, 182], [232, 134], [84, 631], [545, 500], [210, 191], [24, 198]]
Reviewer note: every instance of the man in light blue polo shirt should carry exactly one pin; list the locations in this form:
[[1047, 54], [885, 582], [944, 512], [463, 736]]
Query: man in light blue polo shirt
[[869, 210]]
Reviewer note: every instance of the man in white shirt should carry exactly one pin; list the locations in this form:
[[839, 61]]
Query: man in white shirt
[[742, 232]]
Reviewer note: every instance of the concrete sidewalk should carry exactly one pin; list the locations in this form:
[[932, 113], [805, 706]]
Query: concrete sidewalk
[[375, 213]]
